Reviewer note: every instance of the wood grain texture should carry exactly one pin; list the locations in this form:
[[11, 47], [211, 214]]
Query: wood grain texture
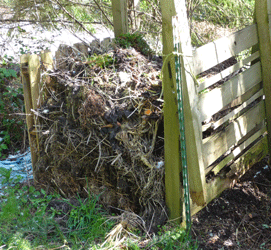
[[239, 167], [213, 101], [211, 54], [193, 135], [120, 17], [171, 122], [220, 143], [233, 114], [238, 150], [263, 23], [24, 64], [224, 73]]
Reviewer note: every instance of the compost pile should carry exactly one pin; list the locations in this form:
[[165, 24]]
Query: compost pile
[[102, 131]]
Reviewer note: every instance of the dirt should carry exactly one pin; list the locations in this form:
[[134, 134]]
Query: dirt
[[240, 217]]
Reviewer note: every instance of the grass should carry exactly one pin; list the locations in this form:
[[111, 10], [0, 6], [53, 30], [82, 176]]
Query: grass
[[31, 218]]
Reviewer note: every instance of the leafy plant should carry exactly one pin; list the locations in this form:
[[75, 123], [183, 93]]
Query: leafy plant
[[102, 61], [173, 237], [11, 128], [87, 222], [136, 41]]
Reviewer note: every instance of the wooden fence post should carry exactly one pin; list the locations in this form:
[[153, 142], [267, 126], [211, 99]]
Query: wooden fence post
[[24, 61], [171, 121], [120, 17], [34, 77], [171, 8], [193, 130], [263, 20]]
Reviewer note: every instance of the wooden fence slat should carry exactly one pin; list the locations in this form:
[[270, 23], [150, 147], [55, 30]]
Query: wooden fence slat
[[47, 60], [238, 150], [212, 80], [229, 91], [242, 164], [47, 63], [171, 123], [218, 144], [247, 160], [263, 23], [234, 114], [211, 54]]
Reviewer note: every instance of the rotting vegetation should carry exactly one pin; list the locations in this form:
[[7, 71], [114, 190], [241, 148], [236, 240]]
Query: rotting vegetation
[[102, 132]]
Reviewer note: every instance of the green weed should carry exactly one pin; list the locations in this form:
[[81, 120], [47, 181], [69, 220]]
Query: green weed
[[88, 222], [136, 41], [28, 220], [171, 237], [101, 61], [12, 127]]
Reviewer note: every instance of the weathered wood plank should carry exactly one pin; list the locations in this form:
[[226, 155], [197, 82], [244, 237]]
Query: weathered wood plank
[[262, 20], [237, 151], [193, 135], [211, 54], [171, 122], [212, 80], [234, 114], [120, 17], [47, 64], [269, 16], [218, 144], [242, 164], [252, 156], [34, 77], [28, 106], [229, 91], [47, 60]]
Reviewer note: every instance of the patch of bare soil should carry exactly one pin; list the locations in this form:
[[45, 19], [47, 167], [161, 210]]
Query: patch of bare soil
[[240, 217]]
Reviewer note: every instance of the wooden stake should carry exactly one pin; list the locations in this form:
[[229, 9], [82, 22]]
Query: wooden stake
[[171, 121], [263, 23], [193, 131], [28, 106], [34, 77]]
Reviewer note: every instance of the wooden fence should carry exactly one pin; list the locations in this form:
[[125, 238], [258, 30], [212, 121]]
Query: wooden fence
[[31, 66], [227, 112]]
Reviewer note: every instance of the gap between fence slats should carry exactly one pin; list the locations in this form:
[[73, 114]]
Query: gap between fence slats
[[229, 91], [245, 162], [218, 144], [212, 80], [211, 54], [234, 114], [237, 150], [248, 159]]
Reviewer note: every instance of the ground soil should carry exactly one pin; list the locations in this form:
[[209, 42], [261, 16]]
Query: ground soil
[[240, 217]]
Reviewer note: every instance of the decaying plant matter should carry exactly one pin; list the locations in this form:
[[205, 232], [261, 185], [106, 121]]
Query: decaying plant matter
[[101, 131]]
